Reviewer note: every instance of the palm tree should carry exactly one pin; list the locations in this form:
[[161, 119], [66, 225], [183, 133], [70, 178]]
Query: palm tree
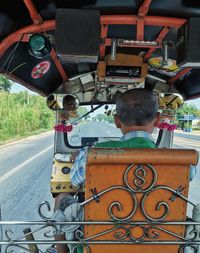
[[5, 83]]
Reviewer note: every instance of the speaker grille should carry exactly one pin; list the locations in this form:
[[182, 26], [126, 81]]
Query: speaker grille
[[188, 50], [77, 35]]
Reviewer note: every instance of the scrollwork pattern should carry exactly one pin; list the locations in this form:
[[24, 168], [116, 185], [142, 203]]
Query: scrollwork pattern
[[139, 182]]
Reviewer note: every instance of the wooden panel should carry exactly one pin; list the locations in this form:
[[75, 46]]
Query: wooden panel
[[125, 60], [164, 156], [101, 176]]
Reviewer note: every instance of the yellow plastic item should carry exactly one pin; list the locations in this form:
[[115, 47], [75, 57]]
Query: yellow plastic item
[[60, 180]]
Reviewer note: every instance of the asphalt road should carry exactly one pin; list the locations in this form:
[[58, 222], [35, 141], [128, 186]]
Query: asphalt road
[[25, 169], [190, 141]]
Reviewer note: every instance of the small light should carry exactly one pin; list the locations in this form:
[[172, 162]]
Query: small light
[[39, 46]]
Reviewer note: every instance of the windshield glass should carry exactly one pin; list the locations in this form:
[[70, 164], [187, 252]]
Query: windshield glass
[[97, 126]]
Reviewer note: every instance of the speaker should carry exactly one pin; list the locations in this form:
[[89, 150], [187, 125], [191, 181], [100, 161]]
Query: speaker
[[188, 46], [77, 35]]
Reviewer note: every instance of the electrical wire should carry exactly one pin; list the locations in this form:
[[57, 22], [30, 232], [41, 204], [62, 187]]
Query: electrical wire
[[11, 55]]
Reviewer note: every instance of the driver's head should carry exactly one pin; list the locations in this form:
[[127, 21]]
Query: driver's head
[[69, 103], [137, 109]]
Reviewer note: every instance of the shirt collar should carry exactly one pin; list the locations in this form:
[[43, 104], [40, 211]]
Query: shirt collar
[[135, 134]]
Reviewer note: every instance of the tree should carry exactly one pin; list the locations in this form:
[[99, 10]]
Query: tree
[[188, 109], [104, 117], [5, 83]]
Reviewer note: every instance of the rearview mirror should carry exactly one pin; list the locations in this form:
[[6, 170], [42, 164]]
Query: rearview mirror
[[62, 102], [170, 101]]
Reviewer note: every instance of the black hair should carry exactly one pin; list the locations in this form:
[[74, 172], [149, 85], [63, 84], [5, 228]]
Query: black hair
[[137, 107]]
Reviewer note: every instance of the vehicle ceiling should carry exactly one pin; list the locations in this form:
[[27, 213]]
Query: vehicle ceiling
[[39, 17]]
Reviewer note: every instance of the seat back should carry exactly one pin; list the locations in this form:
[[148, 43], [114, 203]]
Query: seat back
[[135, 194]]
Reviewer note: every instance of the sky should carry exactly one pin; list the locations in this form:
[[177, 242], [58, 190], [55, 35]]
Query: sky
[[17, 88]]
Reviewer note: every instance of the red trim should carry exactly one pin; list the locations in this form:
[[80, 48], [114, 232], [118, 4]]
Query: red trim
[[105, 20], [58, 65], [144, 8], [35, 16], [140, 29], [161, 35], [148, 20], [16, 36], [178, 75], [104, 31]]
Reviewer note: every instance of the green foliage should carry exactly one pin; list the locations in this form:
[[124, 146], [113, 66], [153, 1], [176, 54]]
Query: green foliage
[[105, 117], [188, 110], [82, 110], [5, 83], [22, 114]]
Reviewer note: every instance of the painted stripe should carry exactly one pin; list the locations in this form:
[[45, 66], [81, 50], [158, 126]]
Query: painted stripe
[[22, 165]]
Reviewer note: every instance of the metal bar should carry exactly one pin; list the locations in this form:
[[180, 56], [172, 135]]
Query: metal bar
[[14, 37], [49, 223], [39, 242], [104, 31], [58, 65], [149, 20], [113, 49], [35, 16], [140, 29], [144, 8], [179, 74], [161, 35], [132, 45], [29, 237], [140, 21], [105, 20]]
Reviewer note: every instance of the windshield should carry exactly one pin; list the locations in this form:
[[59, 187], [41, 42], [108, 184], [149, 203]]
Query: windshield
[[97, 126]]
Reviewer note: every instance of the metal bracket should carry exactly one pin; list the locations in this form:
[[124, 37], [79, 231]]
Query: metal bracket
[[95, 195], [178, 192]]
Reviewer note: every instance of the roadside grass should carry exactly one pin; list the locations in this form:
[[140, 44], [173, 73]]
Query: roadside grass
[[19, 137], [23, 115]]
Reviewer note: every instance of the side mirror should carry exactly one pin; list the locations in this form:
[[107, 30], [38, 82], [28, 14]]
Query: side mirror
[[170, 101], [62, 102]]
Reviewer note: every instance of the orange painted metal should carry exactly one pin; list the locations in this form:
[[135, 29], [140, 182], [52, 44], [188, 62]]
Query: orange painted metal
[[164, 21], [149, 20], [58, 65], [179, 74], [140, 21], [105, 168], [159, 39], [144, 8], [118, 20], [105, 20], [104, 31], [140, 29], [35, 16], [16, 36]]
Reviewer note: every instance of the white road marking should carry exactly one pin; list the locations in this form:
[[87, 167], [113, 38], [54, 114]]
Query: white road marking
[[21, 166]]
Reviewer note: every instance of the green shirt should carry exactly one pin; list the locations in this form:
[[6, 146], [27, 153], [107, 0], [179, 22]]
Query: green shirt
[[136, 142]]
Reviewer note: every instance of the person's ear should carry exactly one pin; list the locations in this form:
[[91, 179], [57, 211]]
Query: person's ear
[[157, 119], [117, 121]]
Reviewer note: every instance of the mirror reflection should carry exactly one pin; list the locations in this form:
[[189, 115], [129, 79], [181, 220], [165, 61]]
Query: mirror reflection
[[66, 102]]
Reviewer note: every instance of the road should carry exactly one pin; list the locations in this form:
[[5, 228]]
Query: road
[[25, 169], [190, 141]]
